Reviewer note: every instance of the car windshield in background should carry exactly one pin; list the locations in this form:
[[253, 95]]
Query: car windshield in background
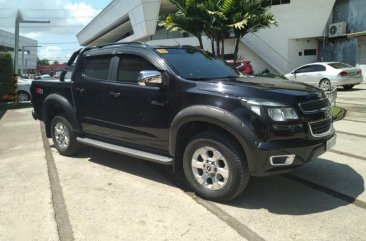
[[340, 66], [194, 64]]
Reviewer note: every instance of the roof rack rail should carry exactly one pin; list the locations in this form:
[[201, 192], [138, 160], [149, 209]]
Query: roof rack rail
[[122, 43]]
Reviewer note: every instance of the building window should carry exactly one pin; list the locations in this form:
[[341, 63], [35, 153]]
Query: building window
[[308, 52], [278, 2]]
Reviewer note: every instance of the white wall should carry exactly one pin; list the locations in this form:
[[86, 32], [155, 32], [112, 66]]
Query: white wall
[[300, 19], [8, 41], [299, 45]]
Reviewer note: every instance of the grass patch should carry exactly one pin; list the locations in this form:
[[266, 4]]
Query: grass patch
[[338, 113], [11, 105]]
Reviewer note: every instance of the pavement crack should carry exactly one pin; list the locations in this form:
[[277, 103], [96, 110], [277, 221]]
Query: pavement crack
[[61, 216], [328, 191]]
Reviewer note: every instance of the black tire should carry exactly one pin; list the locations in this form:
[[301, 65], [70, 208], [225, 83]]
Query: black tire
[[72, 147], [238, 175], [23, 96], [348, 87]]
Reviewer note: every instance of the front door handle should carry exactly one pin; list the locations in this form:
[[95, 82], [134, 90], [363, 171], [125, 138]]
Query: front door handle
[[114, 94]]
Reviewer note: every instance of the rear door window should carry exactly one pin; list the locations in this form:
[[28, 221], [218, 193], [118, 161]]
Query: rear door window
[[318, 68], [97, 67]]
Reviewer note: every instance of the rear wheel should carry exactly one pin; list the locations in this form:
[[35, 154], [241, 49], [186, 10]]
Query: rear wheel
[[325, 84], [348, 87], [63, 137], [215, 166]]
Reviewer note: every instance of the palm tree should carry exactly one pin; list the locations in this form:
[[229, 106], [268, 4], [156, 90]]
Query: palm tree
[[256, 16], [216, 18], [186, 19]]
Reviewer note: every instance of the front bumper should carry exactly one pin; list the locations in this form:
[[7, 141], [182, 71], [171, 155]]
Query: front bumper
[[303, 150]]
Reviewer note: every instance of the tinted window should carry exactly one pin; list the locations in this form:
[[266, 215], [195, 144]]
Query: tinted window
[[340, 66], [304, 69], [318, 68], [196, 65], [130, 67], [308, 52], [97, 67]]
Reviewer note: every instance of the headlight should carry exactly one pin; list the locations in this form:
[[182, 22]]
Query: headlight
[[276, 111]]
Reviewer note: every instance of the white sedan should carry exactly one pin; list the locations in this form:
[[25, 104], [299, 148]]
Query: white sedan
[[326, 75]]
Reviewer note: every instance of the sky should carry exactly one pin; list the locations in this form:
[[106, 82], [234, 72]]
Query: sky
[[58, 38]]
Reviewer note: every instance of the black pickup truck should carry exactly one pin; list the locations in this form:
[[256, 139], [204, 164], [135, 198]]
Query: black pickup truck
[[181, 106]]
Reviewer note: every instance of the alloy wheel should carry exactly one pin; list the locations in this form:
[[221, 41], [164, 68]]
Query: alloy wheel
[[210, 168]]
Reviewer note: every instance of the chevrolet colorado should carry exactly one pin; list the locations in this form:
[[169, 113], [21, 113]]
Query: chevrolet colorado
[[182, 106]]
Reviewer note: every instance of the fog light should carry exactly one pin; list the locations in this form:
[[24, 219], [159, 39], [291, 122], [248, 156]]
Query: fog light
[[283, 160]]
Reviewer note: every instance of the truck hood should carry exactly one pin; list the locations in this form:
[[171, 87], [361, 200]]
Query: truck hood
[[258, 87]]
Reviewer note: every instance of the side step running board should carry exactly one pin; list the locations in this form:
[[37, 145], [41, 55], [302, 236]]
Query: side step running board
[[127, 151]]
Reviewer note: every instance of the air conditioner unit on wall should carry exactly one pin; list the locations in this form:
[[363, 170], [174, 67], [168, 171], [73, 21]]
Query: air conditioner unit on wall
[[337, 29]]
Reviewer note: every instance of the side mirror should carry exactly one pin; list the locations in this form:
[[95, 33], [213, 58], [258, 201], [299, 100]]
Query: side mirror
[[150, 78]]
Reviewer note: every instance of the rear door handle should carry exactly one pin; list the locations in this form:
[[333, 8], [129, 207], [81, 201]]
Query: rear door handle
[[154, 102], [80, 90], [114, 94]]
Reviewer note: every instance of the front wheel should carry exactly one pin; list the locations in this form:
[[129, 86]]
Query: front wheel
[[215, 166], [348, 87], [63, 137]]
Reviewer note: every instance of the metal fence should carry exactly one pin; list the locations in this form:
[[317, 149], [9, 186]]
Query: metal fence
[[332, 95]]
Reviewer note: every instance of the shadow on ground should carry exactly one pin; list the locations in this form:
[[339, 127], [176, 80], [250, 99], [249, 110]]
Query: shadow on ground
[[341, 89], [281, 195], [277, 194]]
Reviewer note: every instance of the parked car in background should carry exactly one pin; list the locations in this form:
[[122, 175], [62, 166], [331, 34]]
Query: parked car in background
[[243, 66], [326, 75], [43, 77], [23, 93]]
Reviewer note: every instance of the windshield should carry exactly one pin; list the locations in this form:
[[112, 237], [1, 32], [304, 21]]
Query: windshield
[[193, 64], [340, 66]]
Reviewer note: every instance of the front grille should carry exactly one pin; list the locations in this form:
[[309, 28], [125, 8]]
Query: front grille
[[315, 106], [321, 127]]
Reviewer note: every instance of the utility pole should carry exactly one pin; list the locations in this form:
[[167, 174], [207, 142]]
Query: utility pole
[[19, 19]]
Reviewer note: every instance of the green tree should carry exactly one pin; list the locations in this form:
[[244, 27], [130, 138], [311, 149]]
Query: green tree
[[55, 62], [255, 15], [43, 61], [218, 18], [187, 18], [7, 85]]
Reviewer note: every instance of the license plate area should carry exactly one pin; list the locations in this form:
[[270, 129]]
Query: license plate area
[[331, 143]]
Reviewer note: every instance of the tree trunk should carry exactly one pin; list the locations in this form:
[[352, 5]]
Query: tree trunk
[[213, 46], [200, 41], [217, 47], [222, 48], [236, 50]]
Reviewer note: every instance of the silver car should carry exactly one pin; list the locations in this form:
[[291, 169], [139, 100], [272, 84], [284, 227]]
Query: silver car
[[326, 75], [23, 93]]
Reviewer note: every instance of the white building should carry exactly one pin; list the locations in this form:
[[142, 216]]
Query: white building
[[7, 42], [303, 25]]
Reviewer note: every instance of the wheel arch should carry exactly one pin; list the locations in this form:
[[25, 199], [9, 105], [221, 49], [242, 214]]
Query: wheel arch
[[209, 117], [55, 104]]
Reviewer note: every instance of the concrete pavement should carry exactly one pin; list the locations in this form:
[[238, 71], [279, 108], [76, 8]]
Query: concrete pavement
[[113, 197], [26, 209]]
